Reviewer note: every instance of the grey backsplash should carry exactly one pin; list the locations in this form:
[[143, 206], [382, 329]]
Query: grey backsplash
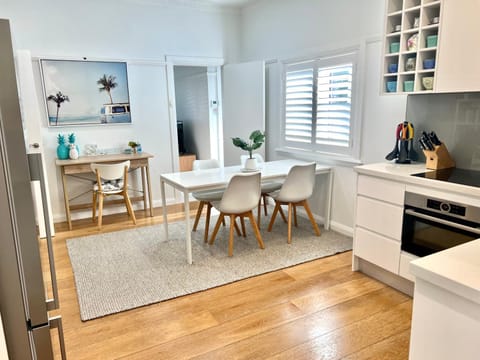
[[456, 120]]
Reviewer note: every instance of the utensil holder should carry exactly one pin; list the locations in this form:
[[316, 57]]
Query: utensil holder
[[439, 158]]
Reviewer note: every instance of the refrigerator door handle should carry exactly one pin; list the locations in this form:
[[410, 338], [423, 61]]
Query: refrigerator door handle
[[36, 174], [56, 323]]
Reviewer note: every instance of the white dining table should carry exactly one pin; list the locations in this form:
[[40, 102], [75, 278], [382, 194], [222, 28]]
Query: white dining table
[[218, 178]]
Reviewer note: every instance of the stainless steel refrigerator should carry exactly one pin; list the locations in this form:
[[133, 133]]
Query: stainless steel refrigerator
[[24, 304]]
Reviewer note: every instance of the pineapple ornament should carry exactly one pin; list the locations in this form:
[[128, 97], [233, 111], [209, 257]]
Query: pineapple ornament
[[73, 152], [62, 148]]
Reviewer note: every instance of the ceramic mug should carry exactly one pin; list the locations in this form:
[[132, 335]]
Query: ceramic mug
[[410, 64], [391, 86], [392, 68], [427, 82]]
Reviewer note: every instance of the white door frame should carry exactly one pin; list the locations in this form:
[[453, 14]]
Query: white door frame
[[214, 74]]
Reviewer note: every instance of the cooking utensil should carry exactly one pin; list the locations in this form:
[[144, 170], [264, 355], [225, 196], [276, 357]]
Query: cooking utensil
[[395, 152]]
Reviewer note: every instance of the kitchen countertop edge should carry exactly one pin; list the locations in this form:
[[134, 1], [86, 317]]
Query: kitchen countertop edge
[[403, 172], [456, 269]]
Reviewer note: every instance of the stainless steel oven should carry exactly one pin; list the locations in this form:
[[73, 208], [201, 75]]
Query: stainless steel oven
[[431, 224]]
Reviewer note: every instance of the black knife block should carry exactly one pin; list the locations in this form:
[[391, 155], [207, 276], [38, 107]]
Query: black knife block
[[439, 158]]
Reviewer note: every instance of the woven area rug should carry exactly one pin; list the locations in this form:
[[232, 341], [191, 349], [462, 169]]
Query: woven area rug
[[127, 269]]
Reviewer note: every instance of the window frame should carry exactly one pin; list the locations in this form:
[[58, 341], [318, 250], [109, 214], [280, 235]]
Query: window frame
[[312, 150]]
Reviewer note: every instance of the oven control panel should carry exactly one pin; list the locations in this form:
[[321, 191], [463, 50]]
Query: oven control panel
[[446, 207]]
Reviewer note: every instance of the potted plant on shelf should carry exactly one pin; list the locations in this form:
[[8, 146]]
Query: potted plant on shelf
[[255, 141]]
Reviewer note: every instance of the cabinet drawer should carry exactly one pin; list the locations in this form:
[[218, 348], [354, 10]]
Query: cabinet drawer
[[377, 249], [379, 217], [404, 268], [385, 190]]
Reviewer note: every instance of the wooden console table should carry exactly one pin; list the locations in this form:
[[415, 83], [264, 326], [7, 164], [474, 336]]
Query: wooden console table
[[82, 166]]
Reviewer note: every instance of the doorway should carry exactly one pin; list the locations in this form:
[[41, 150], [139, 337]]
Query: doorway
[[193, 115], [196, 118]]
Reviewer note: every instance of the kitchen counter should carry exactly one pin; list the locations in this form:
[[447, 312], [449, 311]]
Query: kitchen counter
[[446, 310], [403, 172], [456, 269]]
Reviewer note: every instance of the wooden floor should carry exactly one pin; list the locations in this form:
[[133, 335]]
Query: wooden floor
[[317, 310]]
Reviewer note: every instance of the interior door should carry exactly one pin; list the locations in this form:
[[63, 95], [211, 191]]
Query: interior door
[[243, 106]]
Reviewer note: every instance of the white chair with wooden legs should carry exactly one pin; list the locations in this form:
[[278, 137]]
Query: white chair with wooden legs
[[112, 179], [295, 191], [206, 197], [240, 198], [266, 186]]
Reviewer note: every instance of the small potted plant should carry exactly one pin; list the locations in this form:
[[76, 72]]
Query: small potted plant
[[133, 145], [255, 141]]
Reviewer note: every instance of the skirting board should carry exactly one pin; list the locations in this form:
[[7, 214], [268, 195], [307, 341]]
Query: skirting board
[[386, 277]]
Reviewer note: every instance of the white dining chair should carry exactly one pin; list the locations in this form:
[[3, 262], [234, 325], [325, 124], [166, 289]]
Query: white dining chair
[[111, 180], [240, 198], [267, 187], [206, 197], [295, 191]]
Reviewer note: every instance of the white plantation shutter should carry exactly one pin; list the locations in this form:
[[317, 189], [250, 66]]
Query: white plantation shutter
[[334, 103], [318, 104], [299, 103]]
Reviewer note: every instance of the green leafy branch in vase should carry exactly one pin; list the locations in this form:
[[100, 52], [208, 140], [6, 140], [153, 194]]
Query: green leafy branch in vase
[[255, 141]]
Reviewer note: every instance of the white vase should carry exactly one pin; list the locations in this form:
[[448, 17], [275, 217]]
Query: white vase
[[73, 153], [251, 164]]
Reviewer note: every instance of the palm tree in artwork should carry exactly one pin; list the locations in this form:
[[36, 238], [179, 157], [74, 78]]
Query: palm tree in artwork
[[107, 84], [59, 99]]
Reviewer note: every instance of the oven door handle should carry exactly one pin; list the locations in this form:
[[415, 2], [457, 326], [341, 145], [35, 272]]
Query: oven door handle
[[442, 221]]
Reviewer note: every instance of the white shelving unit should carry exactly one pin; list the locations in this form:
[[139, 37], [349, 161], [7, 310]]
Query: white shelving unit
[[406, 19]]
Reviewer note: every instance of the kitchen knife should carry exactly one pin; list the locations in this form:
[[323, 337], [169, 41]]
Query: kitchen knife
[[422, 144], [434, 138], [427, 141]]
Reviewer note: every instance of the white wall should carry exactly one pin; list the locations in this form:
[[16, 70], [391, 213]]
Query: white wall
[[140, 32], [191, 98], [281, 30]]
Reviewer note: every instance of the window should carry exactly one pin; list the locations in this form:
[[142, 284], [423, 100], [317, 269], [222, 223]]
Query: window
[[318, 111]]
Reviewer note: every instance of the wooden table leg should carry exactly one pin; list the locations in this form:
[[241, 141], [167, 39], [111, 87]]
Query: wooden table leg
[[142, 170], [149, 186], [66, 199]]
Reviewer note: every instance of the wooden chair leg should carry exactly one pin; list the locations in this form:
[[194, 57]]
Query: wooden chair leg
[[230, 239], [282, 214], [289, 232], [295, 214], [272, 220], [237, 229], [198, 215], [264, 196], [215, 230], [259, 211], [100, 210], [207, 222], [130, 211], [256, 230], [242, 222], [94, 206], [310, 216]]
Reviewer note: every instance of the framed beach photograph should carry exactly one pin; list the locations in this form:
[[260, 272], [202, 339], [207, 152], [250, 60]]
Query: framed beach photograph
[[81, 92]]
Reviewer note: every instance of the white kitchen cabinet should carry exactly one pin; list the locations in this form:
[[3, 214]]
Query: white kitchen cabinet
[[405, 20], [404, 268], [379, 217], [377, 249], [455, 54], [378, 221], [459, 53]]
